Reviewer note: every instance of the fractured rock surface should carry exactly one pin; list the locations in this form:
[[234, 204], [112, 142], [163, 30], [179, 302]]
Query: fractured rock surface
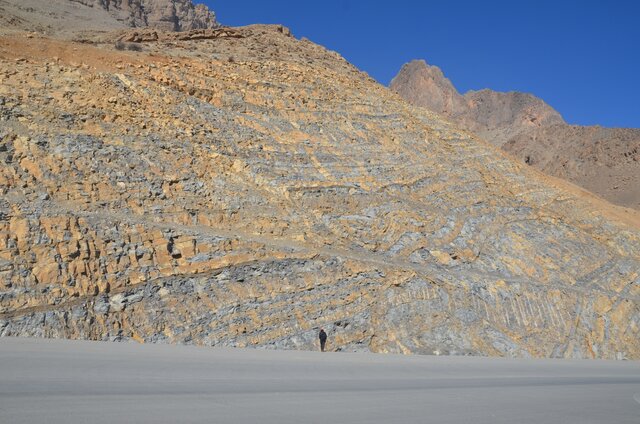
[[71, 17], [168, 15], [245, 190], [605, 161]]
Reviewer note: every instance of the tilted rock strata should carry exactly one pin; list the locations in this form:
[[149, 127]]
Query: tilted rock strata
[[244, 191], [605, 161], [150, 35]]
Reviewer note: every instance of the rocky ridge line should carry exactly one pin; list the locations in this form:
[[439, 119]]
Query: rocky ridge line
[[605, 161], [167, 15], [77, 19]]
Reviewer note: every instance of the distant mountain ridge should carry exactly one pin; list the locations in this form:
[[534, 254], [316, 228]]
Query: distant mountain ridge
[[75, 16], [605, 161], [168, 15]]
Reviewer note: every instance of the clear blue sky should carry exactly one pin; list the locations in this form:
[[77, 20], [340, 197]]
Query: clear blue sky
[[581, 57]]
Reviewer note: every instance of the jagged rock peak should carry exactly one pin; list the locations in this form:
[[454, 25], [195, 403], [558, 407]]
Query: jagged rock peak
[[168, 15], [528, 128], [425, 85]]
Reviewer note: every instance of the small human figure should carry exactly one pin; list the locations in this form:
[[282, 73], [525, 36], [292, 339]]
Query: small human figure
[[323, 339]]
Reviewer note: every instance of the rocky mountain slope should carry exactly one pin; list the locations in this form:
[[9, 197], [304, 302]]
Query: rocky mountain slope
[[73, 16], [605, 161], [240, 187]]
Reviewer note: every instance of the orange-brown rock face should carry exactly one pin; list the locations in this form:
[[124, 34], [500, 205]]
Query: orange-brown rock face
[[245, 190], [605, 161], [426, 86]]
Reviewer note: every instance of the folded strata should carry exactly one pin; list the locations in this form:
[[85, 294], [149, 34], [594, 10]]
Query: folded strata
[[244, 190]]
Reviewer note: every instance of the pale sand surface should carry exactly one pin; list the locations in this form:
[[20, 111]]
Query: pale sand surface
[[59, 381]]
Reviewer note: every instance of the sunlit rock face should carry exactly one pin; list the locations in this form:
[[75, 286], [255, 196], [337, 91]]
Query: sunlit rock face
[[605, 161], [169, 15], [243, 188]]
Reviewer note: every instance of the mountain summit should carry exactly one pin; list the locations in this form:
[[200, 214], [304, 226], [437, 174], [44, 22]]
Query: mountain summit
[[425, 85], [605, 161], [486, 112]]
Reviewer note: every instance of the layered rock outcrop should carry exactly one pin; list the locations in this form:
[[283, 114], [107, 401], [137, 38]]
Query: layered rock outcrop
[[168, 15], [605, 161], [243, 191], [70, 18]]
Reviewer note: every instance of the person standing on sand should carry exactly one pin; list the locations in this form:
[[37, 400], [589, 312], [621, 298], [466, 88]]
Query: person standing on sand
[[323, 339]]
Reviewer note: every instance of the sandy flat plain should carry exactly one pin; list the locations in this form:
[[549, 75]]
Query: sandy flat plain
[[61, 381]]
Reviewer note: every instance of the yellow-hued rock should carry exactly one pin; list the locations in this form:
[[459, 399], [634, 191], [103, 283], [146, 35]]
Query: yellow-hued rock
[[244, 188]]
